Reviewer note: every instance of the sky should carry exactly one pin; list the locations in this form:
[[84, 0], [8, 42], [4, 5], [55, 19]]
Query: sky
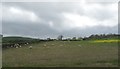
[[51, 19]]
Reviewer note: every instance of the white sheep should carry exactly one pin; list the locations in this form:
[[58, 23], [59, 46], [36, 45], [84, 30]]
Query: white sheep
[[30, 47], [16, 46], [20, 46], [27, 43]]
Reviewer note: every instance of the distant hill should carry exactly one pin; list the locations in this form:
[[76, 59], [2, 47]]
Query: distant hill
[[11, 40], [17, 39]]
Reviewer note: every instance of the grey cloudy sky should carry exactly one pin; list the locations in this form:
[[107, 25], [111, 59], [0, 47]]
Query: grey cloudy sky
[[50, 19]]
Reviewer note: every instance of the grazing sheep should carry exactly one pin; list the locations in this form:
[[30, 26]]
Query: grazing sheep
[[16, 47], [30, 47], [27, 43], [20, 46]]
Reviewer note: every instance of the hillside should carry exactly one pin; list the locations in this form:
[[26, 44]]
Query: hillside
[[11, 40]]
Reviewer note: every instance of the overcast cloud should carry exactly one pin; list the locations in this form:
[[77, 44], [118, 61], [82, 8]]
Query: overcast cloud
[[50, 19]]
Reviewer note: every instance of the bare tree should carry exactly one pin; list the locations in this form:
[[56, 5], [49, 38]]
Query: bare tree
[[60, 37]]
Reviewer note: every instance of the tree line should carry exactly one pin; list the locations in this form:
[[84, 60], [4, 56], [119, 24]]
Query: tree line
[[93, 36], [8, 41]]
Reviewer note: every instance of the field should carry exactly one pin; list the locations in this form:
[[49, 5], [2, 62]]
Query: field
[[63, 54]]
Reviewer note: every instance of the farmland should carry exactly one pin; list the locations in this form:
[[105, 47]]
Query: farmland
[[87, 53]]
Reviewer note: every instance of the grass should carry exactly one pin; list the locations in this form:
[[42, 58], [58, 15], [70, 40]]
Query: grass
[[63, 54]]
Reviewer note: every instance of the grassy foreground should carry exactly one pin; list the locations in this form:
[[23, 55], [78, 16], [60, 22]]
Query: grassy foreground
[[63, 54]]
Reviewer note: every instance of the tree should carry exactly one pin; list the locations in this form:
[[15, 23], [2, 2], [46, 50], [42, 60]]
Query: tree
[[74, 38], [60, 37], [48, 39]]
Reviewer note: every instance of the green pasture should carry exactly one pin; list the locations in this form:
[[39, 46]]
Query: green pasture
[[63, 54]]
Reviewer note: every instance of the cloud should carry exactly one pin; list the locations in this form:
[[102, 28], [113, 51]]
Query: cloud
[[51, 24], [1, 18], [96, 1], [14, 14], [54, 18], [100, 11], [76, 20], [44, 31], [88, 15], [73, 20]]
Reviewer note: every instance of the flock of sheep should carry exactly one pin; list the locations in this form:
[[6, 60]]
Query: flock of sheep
[[19, 46], [30, 47]]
